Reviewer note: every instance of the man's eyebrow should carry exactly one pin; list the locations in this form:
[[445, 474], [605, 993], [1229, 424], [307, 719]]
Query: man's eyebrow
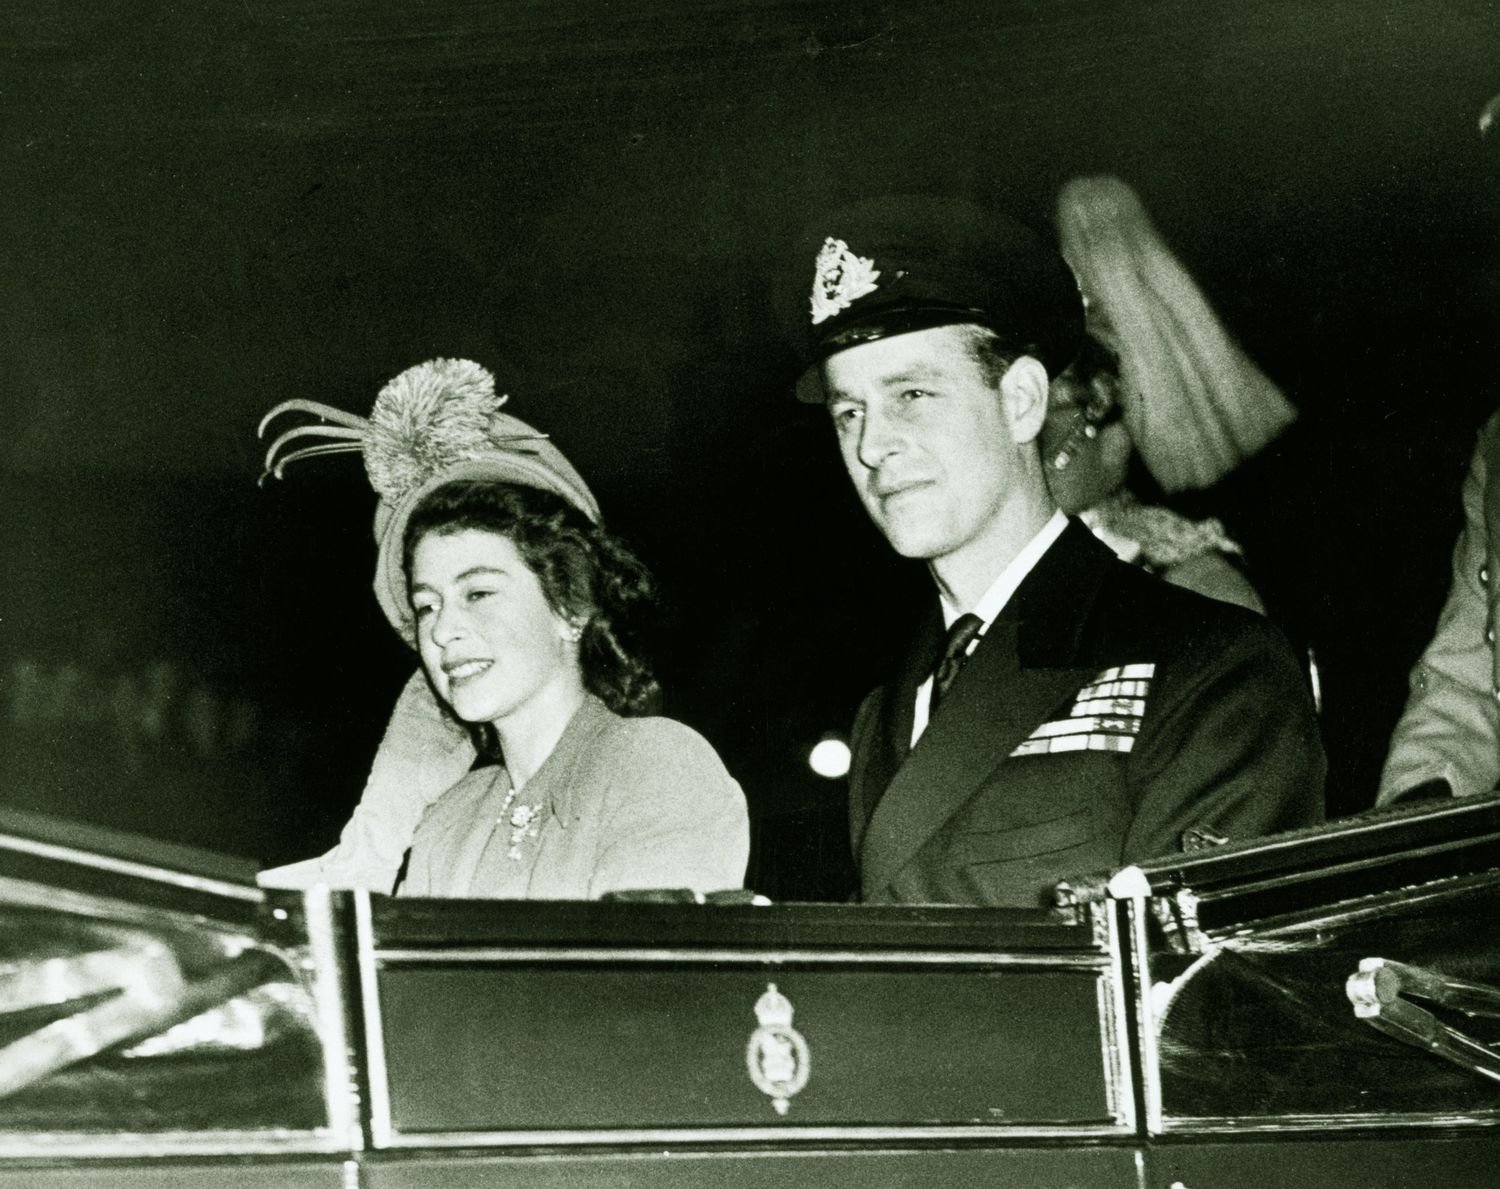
[[915, 373]]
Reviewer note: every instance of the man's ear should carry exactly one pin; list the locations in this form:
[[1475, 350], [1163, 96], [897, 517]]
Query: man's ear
[[1023, 395]]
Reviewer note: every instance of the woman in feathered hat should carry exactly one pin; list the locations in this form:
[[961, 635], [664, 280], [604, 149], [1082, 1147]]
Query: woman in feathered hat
[[1159, 377], [492, 563]]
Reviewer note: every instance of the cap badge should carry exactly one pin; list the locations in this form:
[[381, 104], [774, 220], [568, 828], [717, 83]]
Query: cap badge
[[840, 278]]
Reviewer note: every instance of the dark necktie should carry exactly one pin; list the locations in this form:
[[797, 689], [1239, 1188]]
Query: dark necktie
[[955, 650]]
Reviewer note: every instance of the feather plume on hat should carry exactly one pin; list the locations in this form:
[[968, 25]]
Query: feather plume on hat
[[435, 423], [1195, 404]]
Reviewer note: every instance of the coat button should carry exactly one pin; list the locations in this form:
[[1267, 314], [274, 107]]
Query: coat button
[[1489, 635], [1484, 575]]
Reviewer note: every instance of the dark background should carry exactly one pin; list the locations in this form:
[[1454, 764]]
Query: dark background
[[210, 207]]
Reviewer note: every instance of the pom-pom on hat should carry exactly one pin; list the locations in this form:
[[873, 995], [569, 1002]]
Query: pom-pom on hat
[[900, 263], [436, 423]]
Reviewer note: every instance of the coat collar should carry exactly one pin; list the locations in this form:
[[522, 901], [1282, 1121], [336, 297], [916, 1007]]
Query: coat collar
[[1027, 662], [554, 784], [893, 707], [1054, 604]]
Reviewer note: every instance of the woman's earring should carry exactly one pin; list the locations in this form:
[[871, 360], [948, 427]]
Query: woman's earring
[[574, 633], [1084, 431]]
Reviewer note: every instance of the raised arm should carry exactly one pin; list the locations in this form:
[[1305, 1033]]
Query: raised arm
[[422, 754]]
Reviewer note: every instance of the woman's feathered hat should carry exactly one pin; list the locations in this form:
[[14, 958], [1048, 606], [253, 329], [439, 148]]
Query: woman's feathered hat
[[435, 423], [1195, 404]]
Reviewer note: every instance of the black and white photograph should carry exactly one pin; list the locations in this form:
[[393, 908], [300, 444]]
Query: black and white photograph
[[749, 592]]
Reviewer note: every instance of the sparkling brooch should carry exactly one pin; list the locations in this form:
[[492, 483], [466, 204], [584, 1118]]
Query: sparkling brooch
[[525, 822]]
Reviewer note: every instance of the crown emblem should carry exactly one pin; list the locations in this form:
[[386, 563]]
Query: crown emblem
[[773, 1009], [777, 1055], [840, 278]]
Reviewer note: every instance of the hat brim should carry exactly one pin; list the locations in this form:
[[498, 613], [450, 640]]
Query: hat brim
[[882, 324], [391, 521]]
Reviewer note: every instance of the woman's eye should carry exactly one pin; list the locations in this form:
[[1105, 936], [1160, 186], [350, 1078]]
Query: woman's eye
[[843, 417], [911, 394], [423, 610], [473, 596]]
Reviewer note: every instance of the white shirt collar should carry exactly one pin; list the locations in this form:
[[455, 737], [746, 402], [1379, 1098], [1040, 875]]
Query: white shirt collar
[[993, 601], [990, 604]]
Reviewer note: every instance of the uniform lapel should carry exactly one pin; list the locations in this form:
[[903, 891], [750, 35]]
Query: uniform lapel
[[1024, 667], [890, 733]]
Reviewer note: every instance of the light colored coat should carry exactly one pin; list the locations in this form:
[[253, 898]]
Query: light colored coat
[[620, 804], [1450, 729]]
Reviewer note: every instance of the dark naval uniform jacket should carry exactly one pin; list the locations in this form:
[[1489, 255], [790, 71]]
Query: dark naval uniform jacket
[[1103, 715]]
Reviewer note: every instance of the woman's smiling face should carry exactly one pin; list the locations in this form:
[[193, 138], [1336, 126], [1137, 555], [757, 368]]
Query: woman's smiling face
[[488, 638]]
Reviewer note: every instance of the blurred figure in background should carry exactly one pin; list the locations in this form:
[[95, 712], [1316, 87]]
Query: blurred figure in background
[[1160, 380], [1447, 742]]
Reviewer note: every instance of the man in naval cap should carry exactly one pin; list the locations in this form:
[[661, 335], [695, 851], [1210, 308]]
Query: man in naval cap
[[1058, 712]]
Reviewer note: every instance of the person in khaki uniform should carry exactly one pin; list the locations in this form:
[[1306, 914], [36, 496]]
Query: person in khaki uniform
[[1447, 741]]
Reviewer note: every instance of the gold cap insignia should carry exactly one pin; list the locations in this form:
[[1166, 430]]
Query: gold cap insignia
[[840, 278]]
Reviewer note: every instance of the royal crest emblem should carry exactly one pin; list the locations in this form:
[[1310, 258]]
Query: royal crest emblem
[[777, 1055], [840, 278]]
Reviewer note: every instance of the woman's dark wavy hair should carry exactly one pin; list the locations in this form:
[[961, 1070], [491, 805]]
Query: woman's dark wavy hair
[[587, 575]]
